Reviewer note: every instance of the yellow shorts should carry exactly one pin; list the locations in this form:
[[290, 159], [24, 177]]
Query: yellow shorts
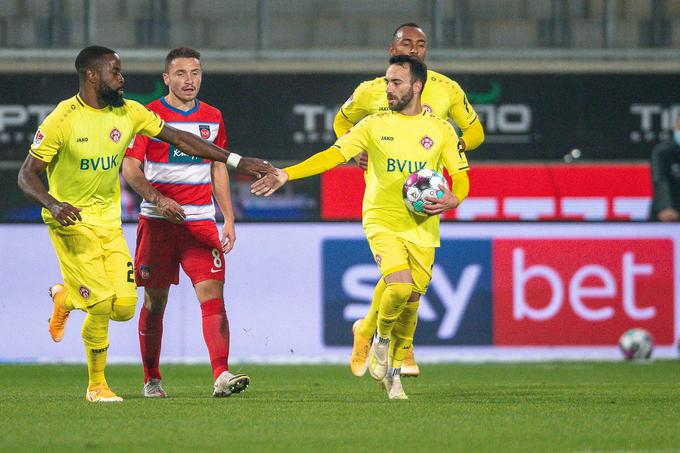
[[95, 263], [393, 254]]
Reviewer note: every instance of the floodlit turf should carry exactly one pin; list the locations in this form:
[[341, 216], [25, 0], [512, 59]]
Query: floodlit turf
[[491, 407]]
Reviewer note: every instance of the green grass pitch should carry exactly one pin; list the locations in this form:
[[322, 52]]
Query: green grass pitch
[[549, 407]]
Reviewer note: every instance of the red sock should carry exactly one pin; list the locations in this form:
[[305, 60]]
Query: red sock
[[150, 336], [216, 334]]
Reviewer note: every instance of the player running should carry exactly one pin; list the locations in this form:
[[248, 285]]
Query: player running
[[81, 144], [442, 97], [398, 141], [177, 223]]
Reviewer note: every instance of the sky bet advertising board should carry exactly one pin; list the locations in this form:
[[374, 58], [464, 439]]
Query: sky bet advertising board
[[562, 290], [499, 291]]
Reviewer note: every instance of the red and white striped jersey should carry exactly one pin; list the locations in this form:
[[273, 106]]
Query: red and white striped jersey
[[184, 178]]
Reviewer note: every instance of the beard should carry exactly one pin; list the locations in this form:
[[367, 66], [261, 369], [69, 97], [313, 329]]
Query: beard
[[110, 96], [403, 102]]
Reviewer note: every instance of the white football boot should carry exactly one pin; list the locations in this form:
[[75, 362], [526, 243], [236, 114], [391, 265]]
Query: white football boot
[[377, 358], [154, 389], [228, 383]]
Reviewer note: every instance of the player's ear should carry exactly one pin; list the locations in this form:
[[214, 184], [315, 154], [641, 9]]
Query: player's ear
[[166, 79], [92, 75], [418, 86]]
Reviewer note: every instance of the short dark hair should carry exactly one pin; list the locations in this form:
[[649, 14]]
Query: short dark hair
[[181, 52], [407, 24], [89, 57], [417, 68]]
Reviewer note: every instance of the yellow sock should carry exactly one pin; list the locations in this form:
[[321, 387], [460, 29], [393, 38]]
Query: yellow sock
[[402, 334], [95, 335], [392, 302], [367, 325]]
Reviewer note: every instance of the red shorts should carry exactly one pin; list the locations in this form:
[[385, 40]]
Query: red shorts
[[162, 246]]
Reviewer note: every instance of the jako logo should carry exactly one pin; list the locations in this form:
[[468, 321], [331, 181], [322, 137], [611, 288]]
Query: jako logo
[[582, 291], [456, 309]]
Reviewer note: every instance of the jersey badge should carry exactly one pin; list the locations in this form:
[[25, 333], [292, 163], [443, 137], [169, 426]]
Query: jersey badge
[[204, 130], [84, 292], [378, 259], [38, 138], [115, 135], [145, 272], [427, 108], [426, 142]]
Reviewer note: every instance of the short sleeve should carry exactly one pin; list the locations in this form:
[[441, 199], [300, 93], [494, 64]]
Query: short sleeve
[[49, 138], [355, 140], [358, 104], [145, 122], [137, 147], [221, 139], [460, 109], [455, 160]]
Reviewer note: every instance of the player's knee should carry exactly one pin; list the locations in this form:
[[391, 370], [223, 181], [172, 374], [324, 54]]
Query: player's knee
[[155, 299], [124, 309], [401, 291], [102, 308]]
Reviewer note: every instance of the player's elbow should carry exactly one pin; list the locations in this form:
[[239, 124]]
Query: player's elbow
[[23, 178], [130, 169]]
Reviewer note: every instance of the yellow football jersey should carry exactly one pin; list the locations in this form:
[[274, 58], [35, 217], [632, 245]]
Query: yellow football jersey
[[84, 147], [397, 146], [441, 96]]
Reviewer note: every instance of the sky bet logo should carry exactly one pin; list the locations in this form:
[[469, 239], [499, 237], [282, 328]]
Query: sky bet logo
[[455, 311], [100, 163]]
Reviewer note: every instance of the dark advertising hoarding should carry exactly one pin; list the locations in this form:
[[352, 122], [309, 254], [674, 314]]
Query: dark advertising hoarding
[[286, 117]]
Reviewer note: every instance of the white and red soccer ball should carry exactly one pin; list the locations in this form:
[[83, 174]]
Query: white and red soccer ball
[[636, 344], [421, 184]]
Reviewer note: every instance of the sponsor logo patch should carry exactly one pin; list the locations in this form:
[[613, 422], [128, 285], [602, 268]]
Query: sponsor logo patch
[[38, 138], [427, 108]]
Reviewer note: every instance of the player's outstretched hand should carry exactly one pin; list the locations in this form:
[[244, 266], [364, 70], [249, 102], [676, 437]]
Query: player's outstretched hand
[[171, 210], [270, 183], [65, 213], [439, 205], [362, 160], [257, 168]]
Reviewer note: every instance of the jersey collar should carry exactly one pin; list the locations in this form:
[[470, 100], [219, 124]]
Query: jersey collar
[[176, 110], [82, 103]]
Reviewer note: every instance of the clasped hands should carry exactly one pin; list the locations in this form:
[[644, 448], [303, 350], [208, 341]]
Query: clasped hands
[[269, 183]]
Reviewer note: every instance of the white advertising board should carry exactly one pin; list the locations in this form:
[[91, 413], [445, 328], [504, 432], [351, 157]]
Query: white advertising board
[[500, 291]]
